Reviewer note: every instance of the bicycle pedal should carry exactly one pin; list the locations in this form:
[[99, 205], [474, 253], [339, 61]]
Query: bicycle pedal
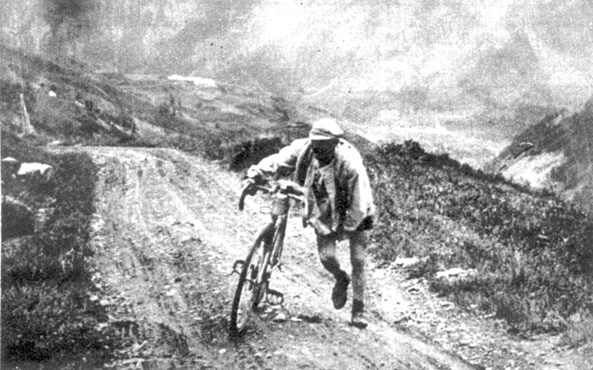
[[237, 267], [278, 297]]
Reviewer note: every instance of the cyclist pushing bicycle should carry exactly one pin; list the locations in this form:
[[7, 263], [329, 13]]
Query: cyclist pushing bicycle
[[339, 202]]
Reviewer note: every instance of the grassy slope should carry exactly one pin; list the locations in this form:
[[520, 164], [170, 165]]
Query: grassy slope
[[532, 253]]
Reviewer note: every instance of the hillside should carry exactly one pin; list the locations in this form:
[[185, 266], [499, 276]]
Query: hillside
[[68, 105], [554, 154]]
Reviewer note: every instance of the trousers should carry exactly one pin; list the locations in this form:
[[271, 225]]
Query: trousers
[[358, 241]]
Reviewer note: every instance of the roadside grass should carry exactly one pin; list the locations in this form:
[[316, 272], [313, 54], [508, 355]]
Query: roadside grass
[[47, 310], [580, 331], [530, 252]]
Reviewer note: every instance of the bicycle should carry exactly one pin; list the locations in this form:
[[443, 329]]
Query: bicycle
[[264, 255]]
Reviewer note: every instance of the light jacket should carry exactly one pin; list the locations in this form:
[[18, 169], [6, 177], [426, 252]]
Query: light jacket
[[350, 193]]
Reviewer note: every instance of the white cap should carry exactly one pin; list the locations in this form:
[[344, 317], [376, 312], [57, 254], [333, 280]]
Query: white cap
[[325, 129], [9, 160]]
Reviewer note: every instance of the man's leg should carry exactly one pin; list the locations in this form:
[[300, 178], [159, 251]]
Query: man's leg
[[358, 245], [326, 246]]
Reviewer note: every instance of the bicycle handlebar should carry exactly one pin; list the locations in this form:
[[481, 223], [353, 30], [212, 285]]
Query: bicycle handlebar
[[290, 188], [244, 190]]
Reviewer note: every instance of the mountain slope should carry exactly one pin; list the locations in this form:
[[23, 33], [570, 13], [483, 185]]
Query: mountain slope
[[555, 154], [67, 102]]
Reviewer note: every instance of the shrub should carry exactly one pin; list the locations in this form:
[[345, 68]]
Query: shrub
[[17, 218]]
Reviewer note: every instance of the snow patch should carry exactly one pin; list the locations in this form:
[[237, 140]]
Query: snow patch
[[535, 170], [198, 81]]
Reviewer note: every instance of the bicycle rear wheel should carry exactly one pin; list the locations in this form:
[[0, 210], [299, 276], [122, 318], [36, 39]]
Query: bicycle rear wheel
[[251, 286]]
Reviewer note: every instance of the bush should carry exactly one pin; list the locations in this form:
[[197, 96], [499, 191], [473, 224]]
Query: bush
[[17, 218]]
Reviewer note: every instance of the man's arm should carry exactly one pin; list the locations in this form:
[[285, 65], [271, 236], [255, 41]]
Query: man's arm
[[282, 163]]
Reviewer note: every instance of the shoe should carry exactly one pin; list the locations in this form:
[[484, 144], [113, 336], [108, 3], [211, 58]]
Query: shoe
[[359, 319], [340, 292]]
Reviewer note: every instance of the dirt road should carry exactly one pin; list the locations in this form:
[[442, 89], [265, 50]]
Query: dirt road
[[167, 231]]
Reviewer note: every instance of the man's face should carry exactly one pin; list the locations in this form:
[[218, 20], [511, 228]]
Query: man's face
[[324, 150]]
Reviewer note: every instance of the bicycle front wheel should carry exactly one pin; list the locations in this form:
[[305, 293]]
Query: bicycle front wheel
[[251, 286]]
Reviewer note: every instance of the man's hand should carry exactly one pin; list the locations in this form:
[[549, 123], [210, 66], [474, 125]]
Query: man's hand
[[249, 186], [255, 174]]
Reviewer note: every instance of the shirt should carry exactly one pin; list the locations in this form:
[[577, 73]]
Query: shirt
[[339, 194]]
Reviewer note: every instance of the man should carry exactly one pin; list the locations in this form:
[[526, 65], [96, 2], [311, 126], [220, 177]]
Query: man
[[340, 202]]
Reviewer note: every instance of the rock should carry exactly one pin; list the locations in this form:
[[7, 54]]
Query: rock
[[446, 305], [280, 317], [406, 262], [401, 319], [455, 272]]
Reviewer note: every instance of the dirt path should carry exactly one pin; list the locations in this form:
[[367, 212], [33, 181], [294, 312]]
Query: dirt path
[[167, 231]]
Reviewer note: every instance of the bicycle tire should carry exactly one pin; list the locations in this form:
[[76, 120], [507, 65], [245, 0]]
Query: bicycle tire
[[248, 296], [278, 241]]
